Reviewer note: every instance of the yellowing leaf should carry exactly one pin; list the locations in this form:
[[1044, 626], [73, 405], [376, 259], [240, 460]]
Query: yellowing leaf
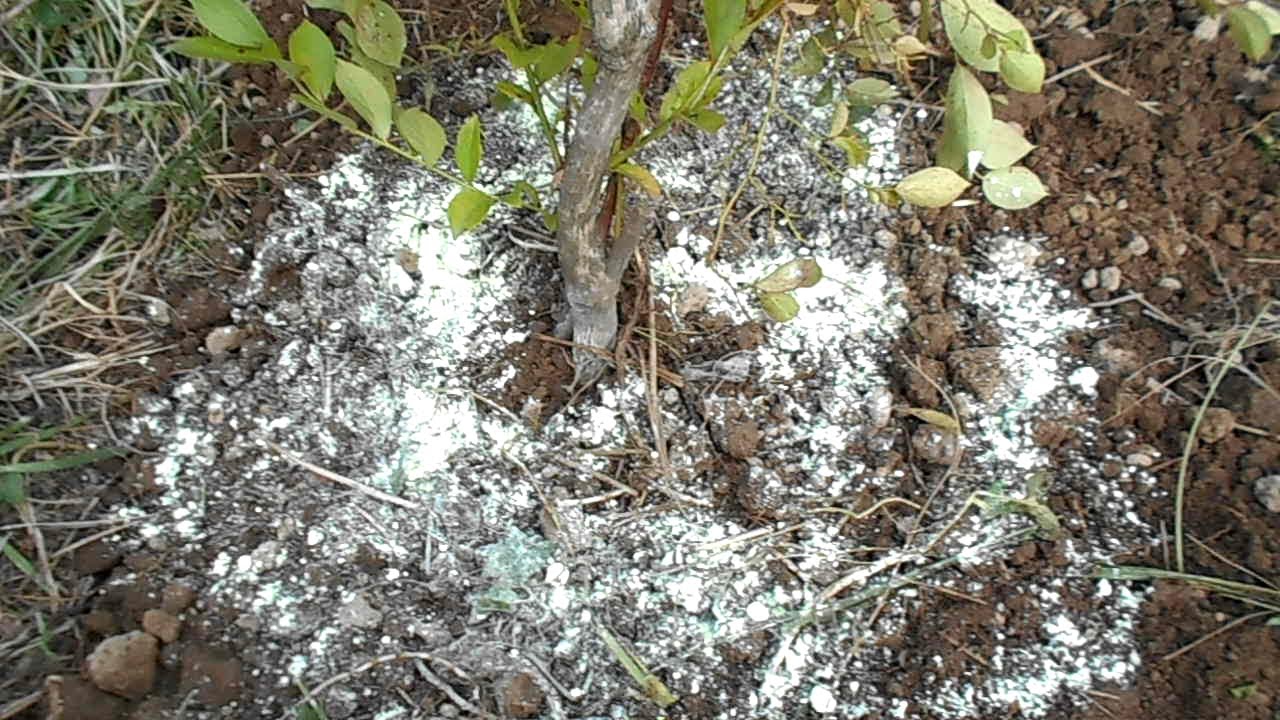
[[681, 96], [933, 187], [642, 176], [966, 127], [1005, 146], [379, 31], [779, 306], [468, 209], [804, 272], [311, 50], [968, 24], [554, 57], [231, 21], [423, 134], [869, 92], [1270, 16], [839, 119], [909, 46], [856, 150], [1022, 71], [723, 19], [1249, 31], [708, 121], [470, 148], [366, 95], [1013, 188], [935, 418]]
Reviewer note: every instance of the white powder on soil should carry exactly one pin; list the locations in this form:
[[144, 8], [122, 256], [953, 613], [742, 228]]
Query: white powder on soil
[[391, 351]]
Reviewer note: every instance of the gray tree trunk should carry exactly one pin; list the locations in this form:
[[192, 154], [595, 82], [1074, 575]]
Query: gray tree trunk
[[623, 31]]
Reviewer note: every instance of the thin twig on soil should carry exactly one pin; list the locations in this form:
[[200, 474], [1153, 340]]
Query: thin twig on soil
[[1215, 633], [1179, 497], [343, 481]]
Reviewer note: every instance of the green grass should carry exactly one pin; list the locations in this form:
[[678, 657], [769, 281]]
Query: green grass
[[106, 142]]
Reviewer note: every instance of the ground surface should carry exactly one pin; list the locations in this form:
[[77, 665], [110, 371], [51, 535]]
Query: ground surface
[[737, 550]]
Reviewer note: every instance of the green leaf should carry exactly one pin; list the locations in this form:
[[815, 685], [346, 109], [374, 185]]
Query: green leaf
[[16, 557], [309, 711], [1013, 188], [1270, 16], [62, 462], [779, 306], [683, 93], [590, 68], [1022, 71], [1005, 146], [231, 21], [470, 148], [379, 31], [869, 92], [207, 47], [724, 19], [523, 195], [966, 127], [935, 418], [856, 150], [804, 272], [11, 489], [812, 59], [707, 120], [555, 58], [933, 187], [310, 103], [468, 209], [423, 133], [366, 95], [515, 92], [969, 23], [310, 48], [642, 177], [342, 6], [1246, 690], [1249, 30], [519, 57], [385, 74]]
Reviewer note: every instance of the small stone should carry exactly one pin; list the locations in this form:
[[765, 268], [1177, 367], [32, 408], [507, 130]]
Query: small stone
[[357, 612], [161, 624], [979, 370], [822, 700], [1079, 214], [215, 676], [935, 332], [1138, 246], [101, 622], [1113, 356], [1267, 490], [71, 698], [1139, 459], [694, 299], [222, 340], [522, 697], [1170, 283], [176, 597], [1089, 280], [935, 445], [742, 438], [1216, 424], [1109, 278], [124, 665]]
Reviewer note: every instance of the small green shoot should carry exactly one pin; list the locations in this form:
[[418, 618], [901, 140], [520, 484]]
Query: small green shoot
[[652, 687]]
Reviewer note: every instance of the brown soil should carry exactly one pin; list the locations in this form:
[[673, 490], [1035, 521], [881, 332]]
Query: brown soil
[[1179, 202]]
